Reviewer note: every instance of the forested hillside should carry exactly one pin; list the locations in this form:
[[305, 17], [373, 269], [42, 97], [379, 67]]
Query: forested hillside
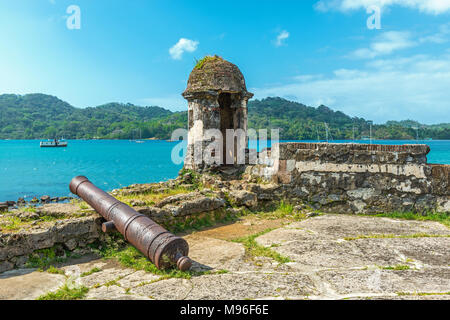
[[40, 116], [36, 116]]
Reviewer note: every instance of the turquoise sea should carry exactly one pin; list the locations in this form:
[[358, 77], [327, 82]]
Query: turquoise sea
[[26, 170]]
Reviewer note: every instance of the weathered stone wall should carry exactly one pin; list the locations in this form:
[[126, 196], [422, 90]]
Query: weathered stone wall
[[204, 113], [71, 235], [360, 178]]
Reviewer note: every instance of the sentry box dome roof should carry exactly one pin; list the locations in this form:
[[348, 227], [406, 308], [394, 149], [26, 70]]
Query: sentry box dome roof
[[213, 73]]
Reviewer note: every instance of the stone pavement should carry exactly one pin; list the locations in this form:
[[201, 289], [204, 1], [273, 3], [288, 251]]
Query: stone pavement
[[331, 257]]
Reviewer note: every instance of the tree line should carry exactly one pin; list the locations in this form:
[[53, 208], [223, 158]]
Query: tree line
[[40, 116]]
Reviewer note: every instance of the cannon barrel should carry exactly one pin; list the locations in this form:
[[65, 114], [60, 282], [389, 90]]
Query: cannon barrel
[[162, 247]]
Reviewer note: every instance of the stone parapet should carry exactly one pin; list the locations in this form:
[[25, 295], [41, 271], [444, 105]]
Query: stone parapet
[[354, 153], [359, 178]]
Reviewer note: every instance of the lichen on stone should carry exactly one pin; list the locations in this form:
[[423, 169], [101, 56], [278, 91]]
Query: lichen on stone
[[213, 73]]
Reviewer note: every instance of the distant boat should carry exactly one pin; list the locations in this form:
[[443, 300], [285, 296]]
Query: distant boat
[[55, 143], [428, 139]]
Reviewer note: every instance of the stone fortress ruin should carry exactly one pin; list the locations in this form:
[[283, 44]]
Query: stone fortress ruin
[[311, 177], [358, 178]]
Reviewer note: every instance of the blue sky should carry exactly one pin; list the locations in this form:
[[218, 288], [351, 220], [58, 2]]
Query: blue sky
[[311, 51]]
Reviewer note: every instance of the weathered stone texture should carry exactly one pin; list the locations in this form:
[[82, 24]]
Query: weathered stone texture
[[332, 257], [217, 100], [243, 198], [359, 178], [74, 233], [354, 153], [440, 179], [215, 74], [69, 234]]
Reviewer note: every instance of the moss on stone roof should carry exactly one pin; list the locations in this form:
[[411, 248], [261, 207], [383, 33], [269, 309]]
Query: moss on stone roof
[[213, 73], [207, 59]]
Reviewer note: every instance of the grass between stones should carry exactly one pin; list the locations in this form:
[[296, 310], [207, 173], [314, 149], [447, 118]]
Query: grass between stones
[[66, 293], [278, 210], [165, 277], [44, 259], [15, 223], [93, 270], [151, 197], [83, 205], [128, 256], [393, 236], [201, 221], [12, 222], [423, 293], [397, 267], [254, 249], [442, 217], [114, 282], [284, 210], [55, 270]]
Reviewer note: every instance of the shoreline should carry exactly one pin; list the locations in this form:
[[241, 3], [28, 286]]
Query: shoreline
[[6, 206], [148, 139], [441, 158], [306, 140]]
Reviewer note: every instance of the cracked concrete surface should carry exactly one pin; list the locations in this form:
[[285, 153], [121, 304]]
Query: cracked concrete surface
[[395, 259]]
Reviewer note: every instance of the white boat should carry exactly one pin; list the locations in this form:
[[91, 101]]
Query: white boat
[[55, 143]]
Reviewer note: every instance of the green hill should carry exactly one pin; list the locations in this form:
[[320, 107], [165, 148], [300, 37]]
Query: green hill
[[36, 116], [299, 122], [40, 116]]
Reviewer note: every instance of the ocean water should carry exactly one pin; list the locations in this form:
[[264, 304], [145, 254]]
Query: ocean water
[[26, 170]]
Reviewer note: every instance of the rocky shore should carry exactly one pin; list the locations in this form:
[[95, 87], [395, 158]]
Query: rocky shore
[[35, 201]]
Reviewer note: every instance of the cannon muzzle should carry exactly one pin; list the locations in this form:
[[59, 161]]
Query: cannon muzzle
[[162, 247]]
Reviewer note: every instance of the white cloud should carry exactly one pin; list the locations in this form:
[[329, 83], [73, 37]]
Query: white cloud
[[442, 36], [415, 87], [426, 6], [176, 52], [385, 44], [282, 36], [307, 77], [391, 41]]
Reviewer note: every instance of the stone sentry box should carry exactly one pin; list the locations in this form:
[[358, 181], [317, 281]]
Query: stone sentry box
[[217, 99], [361, 178]]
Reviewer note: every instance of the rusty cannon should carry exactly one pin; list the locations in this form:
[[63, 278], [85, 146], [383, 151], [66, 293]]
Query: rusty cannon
[[162, 247]]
